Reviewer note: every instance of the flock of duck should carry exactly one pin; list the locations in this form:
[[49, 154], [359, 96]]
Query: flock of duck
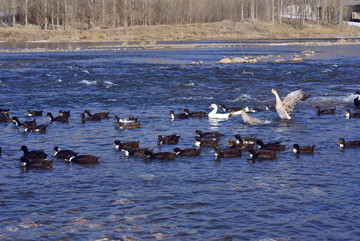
[[256, 148]]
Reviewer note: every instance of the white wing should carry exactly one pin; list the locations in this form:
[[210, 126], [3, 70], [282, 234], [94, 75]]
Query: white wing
[[290, 100]]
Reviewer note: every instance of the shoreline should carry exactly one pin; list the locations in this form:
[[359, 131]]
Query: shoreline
[[72, 46], [210, 35]]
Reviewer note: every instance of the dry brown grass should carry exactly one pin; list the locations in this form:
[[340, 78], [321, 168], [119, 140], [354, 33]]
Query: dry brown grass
[[221, 30]]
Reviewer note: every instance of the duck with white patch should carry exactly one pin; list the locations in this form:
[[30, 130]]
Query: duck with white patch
[[297, 149], [349, 115], [357, 99], [348, 144]]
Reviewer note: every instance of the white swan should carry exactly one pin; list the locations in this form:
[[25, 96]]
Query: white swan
[[285, 107], [214, 114]]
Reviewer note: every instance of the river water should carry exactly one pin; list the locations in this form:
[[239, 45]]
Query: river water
[[305, 197]]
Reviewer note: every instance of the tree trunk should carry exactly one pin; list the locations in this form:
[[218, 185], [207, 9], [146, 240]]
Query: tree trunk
[[13, 13], [45, 15], [26, 12], [65, 15], [280, 11]]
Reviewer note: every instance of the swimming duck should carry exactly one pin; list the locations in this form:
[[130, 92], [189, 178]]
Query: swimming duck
[[180, 116], [36, 154], [17, 122], [350, 144], [268, 108], [102, 115], [126, 145], [39, 128], [357, 99], [349, 115], [137, 152], [206, 143], [226, 153], [262, 155], [242, 146], [128, 125], [244, 140], [208, 134], [275, 146], [252, 109], [63, 119], [39, 163], [319, 111], [232, 109], [170, 140], [187, 151], [303, 149], [248, 119], [195, 113], [131, 119], [62, 154], [4, 112], [160, 155], [5, 118], [83, 159], [89, 118], [285, 107], [30, 113], [214, 114], [64, 113]]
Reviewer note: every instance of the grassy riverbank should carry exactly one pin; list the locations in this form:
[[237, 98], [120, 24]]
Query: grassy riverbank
[[221, 30]]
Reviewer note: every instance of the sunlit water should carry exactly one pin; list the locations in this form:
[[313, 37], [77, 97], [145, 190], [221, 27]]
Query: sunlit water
[[309, 197]]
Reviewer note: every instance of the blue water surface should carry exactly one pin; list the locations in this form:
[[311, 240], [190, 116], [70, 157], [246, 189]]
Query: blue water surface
[[306, 197]]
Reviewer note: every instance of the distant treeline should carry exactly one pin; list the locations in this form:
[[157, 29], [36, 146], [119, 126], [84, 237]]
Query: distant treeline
[[87, 14]]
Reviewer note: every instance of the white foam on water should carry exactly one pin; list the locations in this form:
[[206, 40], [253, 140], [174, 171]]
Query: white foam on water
[[87, 82]]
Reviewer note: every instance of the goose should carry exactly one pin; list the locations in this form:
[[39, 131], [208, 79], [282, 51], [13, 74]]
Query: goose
[[303, 149], [226, 153], [350, 144], [36, 154], [206, 143], [128, 125], [214, 114], [89, 118], [262, 155], [39, 163], [63, 119], [180, 116], [357, 99], [169, 140], [349, 115], [83, 159], [195, 113], [17, 122], [231, 109], [130, 119], [275, 146], [102, 115], [39, 128], [187, 151], [208, 134], [319, 111], [160, 155], [30, 113], [62, 154], [285, 107], [248, 119], [126, 145]]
